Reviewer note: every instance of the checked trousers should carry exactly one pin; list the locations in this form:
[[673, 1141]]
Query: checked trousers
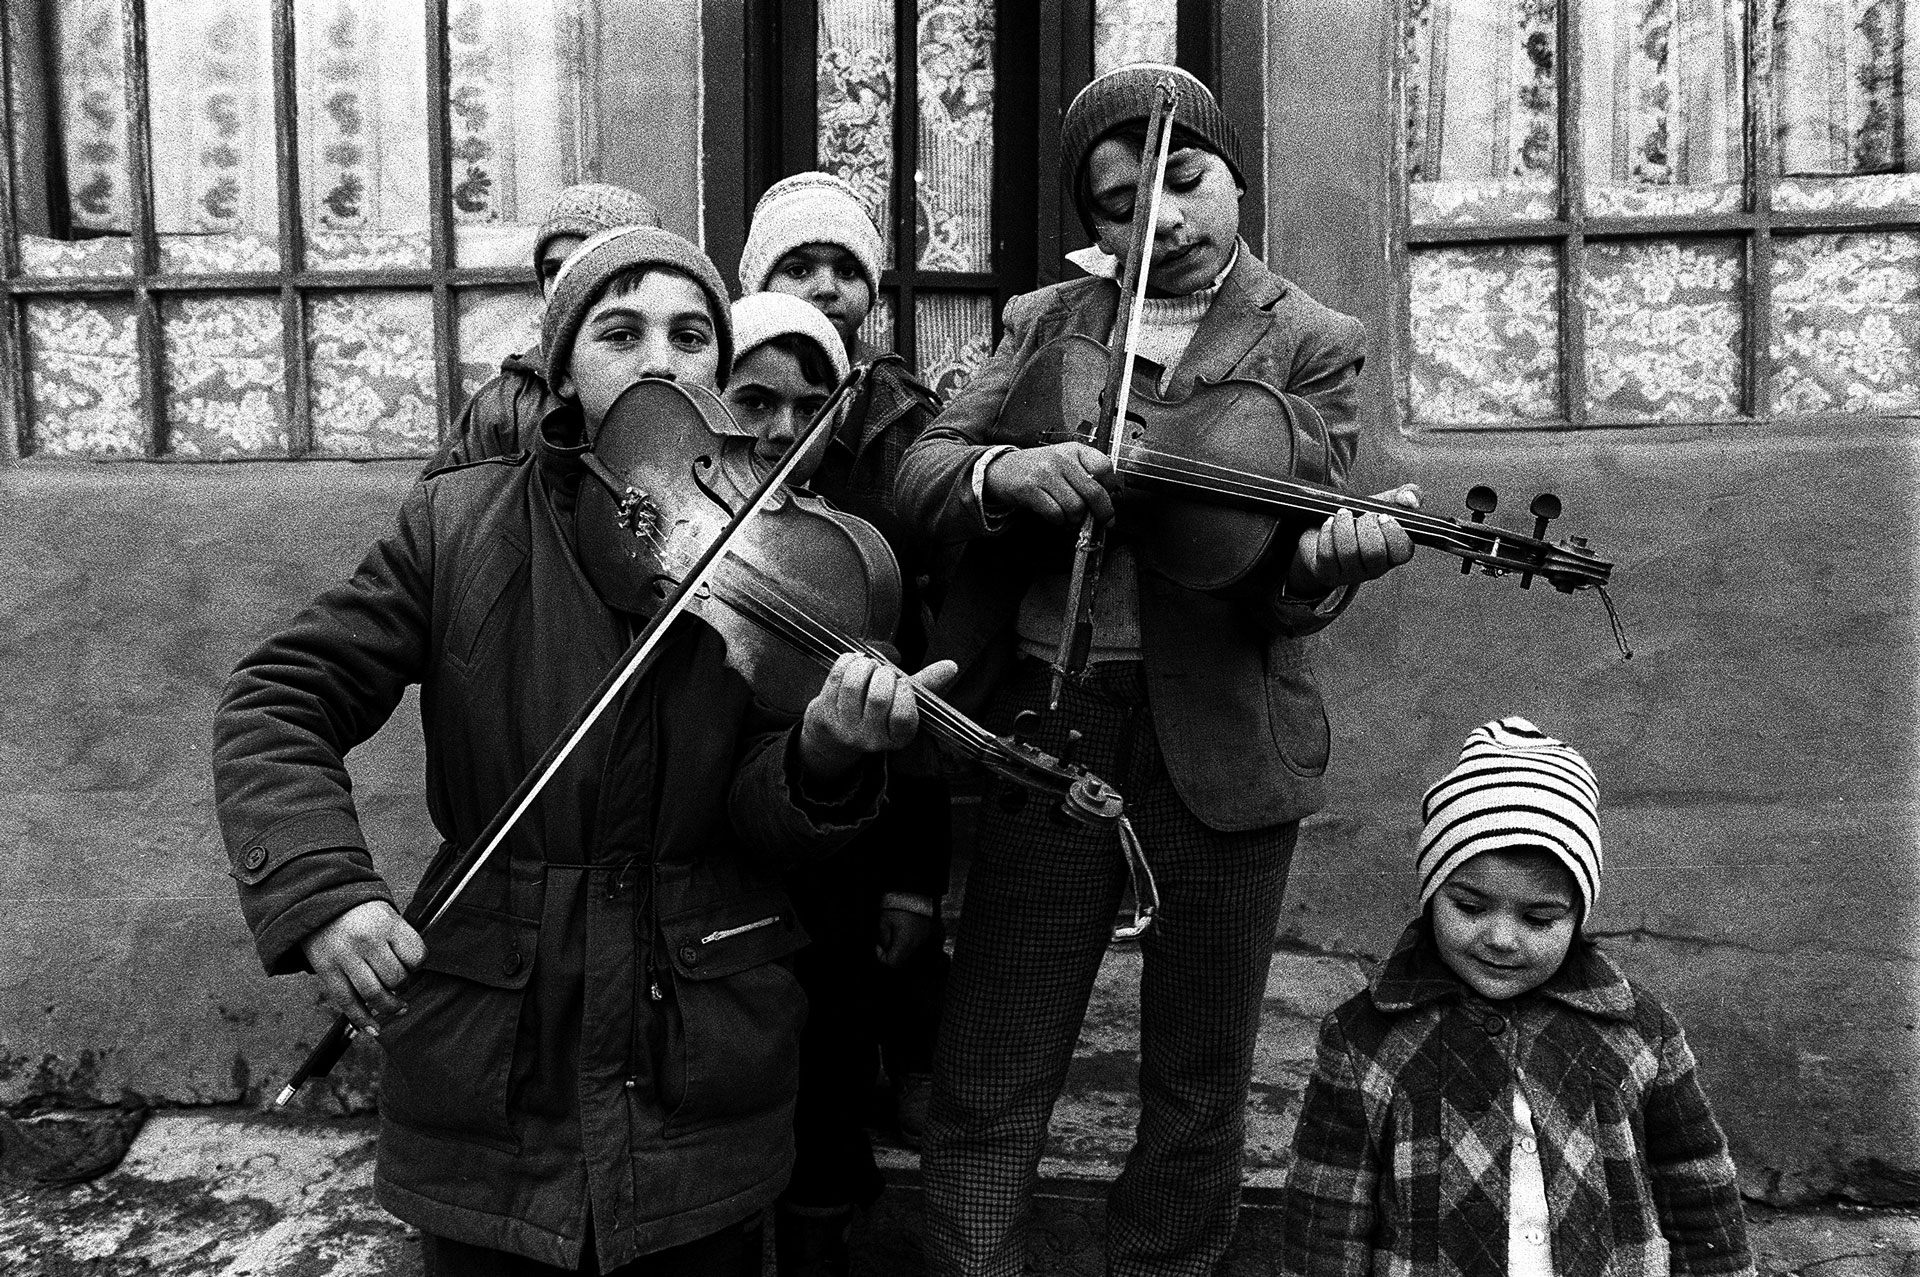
[[1041, 899]]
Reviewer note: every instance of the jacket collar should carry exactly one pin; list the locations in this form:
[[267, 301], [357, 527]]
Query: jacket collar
[[1241, 315], [1415, 976]]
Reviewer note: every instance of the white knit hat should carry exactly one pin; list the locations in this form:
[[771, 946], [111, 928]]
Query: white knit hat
[[760, 317], [1515, 787], [808, 208]]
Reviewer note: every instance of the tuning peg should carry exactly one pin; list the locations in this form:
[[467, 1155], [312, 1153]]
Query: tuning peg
[[1072, 746], [1481, 500], [1545, 509]]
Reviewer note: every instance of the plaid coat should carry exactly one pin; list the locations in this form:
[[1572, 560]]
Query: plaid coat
[[1401, 1155]]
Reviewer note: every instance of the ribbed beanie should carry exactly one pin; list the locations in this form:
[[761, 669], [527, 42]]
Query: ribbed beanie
[[1125, 96], [1514, 788], [605, 254], [592, 207], [808, 208]]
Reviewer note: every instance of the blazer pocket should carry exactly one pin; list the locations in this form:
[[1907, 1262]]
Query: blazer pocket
[[734, 1016], [1296, 714], [449, 1059]]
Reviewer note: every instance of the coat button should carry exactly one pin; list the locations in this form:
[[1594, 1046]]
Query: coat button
[[689, 955], [1527, 1144], [512, 962], [256, 856], [1495, 1025]]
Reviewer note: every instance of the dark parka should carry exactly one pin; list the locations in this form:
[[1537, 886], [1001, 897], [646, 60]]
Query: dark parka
[[604, 1022]]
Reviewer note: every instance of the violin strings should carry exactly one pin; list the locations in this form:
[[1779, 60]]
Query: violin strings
[[779, 614], [1175, 468]]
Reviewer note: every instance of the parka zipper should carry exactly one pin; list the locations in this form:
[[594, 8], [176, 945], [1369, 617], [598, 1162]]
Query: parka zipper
[[730, 932]]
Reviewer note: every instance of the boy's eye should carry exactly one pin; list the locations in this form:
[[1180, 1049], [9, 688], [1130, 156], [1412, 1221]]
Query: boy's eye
[[1467, 907], [691, 338], [795, 270], [1543, 921], [847, 270]]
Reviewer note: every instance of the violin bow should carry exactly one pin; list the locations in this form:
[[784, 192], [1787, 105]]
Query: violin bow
[[423, 911], [1089, 548]]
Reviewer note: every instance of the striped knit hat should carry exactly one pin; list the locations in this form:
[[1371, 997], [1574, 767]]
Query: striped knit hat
[[589, 207], [1514, 788], [808, 208], [1125, 96]]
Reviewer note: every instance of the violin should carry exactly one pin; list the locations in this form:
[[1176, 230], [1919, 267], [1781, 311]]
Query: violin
[[805, 584], [1225, 510]]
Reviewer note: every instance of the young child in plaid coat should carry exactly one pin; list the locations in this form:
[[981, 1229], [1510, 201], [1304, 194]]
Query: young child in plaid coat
[[1502, 1100]]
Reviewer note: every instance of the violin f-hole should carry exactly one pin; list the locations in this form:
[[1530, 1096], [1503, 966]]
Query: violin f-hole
[[703, 466]]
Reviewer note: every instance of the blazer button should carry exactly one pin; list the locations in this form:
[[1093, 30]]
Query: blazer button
[[512, 963], [689, 955], [256, 856], [1495, 1025]]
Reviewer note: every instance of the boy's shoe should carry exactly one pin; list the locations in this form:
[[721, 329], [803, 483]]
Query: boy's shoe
[[910, 1107], [811, 1241]]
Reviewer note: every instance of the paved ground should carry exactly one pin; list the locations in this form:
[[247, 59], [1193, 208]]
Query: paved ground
[[226, 1192]]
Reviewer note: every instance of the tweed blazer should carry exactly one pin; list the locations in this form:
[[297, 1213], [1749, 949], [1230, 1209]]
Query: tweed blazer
[[1401, 1154], [1235, 702]]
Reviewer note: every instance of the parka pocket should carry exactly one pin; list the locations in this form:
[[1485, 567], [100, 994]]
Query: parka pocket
[[449, 1059], [734, 1015]]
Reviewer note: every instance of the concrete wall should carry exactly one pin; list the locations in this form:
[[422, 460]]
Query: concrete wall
[[127, 593]]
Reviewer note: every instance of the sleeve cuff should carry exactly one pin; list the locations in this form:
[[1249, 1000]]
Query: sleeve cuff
[[835, 806], [909, 902], [992, 517]]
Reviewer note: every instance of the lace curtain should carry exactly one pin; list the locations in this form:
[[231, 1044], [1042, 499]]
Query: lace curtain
[[519, 132]]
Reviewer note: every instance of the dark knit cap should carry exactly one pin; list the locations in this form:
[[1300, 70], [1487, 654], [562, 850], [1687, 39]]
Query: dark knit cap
[[584, 279], [1124, 97], [589, 208]]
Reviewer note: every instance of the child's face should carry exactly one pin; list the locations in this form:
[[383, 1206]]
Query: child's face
[[769, 394], [1199, 213], [552, 257], [1504, 920], [662, 328], [827, 277]]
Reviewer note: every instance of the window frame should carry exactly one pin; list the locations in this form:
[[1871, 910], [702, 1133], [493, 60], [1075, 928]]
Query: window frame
[[293, 282], [1756, 225]]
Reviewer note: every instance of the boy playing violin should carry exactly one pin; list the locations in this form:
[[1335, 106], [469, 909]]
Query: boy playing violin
[[589, 1061], [503, 414], [1202, 710]]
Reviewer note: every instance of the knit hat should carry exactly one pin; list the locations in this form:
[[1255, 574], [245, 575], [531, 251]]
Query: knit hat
[[808, 208], [760, 317], [605, 254], [592, 207], [1514, 788], [1125, 96]]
